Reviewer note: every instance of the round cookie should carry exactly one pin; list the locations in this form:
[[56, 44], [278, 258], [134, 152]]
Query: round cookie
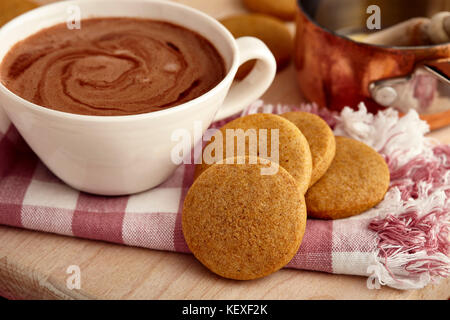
[[270, 30], [283, 9], [320, 138], [356, 181], [243, 225], [293, 149], [10, 9]]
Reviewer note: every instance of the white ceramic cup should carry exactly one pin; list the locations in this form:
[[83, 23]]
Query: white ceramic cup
[[117, 155]]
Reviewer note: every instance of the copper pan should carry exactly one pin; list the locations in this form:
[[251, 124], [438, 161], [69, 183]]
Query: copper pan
[[335, 71]]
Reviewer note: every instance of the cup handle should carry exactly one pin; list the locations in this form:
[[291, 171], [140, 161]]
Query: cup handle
[[257, 81]]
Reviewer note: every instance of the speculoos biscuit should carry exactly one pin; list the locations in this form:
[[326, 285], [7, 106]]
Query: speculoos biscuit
[[270, 30], [283, 9], [294, 154], [243, 225], [356, 181], [9, 9], [320, 138]]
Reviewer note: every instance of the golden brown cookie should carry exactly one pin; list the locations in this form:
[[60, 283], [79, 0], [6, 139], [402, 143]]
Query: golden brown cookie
[[243, 225], [293, 150], [320, 138], [283, 9], [356, 181], [270, 30], [9, 9]]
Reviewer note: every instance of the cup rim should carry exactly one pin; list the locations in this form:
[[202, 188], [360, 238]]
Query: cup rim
[[141, 116]]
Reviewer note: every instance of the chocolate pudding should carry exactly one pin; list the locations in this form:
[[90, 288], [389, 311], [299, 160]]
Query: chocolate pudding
[[112, 67]]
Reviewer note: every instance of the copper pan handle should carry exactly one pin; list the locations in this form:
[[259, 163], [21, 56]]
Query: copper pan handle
[[440, 68], [426, 90]]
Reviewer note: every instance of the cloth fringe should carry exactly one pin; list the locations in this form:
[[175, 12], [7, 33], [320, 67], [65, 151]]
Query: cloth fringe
[[413, 221]]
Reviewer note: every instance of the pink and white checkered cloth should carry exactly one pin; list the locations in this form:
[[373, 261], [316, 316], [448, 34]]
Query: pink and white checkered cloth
[[403, 242]]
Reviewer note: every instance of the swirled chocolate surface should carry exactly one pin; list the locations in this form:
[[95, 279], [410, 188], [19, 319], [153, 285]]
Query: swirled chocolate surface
[[112, 66]]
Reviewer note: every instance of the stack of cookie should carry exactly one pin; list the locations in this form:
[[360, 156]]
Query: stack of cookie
[[348, 176], [243, 224]]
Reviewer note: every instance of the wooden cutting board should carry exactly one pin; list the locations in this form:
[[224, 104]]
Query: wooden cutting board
[[34, 265]]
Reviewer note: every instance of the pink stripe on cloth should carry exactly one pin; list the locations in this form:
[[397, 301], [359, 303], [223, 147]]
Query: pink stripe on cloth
[[99, 218], [178, 238], [8, 152], [17, 164], [313, 254], [10, 214]]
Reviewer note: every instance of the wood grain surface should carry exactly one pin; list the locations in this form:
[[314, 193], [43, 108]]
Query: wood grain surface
[[33, 265]]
